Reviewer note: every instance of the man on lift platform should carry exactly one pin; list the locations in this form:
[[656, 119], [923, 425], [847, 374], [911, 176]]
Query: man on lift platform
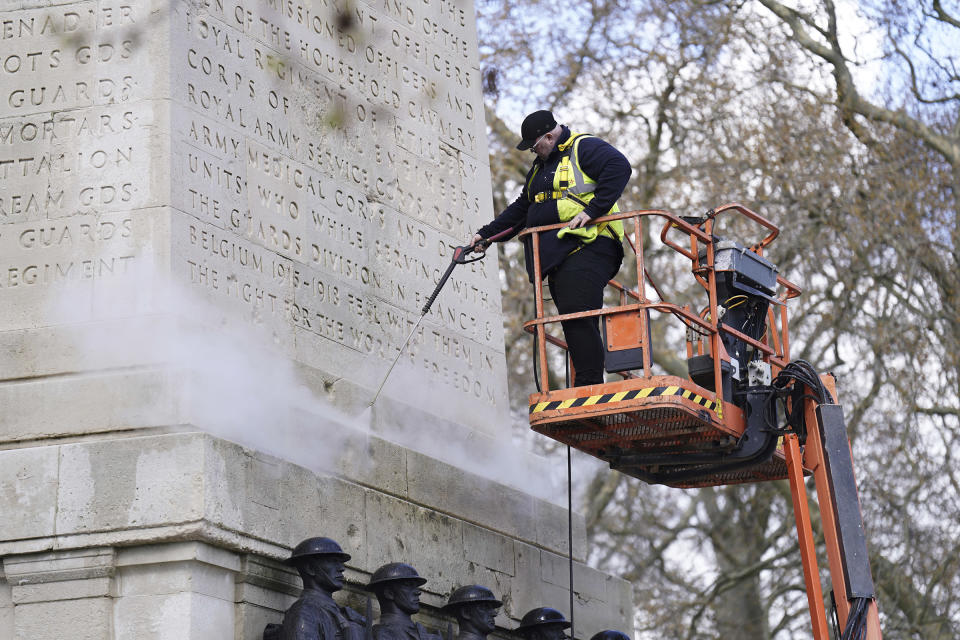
[[575, 178]]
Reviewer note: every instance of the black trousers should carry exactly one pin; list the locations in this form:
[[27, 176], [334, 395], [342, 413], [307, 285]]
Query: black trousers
[[577, 285]]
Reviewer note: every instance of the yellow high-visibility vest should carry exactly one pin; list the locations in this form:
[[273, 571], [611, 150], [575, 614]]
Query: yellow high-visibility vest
[[573, 190]]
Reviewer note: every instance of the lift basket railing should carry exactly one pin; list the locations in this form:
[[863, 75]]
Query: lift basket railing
[[626, 326]]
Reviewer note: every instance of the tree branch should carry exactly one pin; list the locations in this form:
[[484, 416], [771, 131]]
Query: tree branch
[[849, 99], [943, 16]]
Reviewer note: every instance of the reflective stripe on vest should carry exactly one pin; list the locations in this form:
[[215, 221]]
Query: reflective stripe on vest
[[573, 189]]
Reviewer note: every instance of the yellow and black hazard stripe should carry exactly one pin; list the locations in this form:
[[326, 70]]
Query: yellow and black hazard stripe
[[622, 396]]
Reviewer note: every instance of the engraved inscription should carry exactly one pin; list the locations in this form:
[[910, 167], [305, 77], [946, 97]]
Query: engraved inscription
[[70, 114], [305, 165], [59, 252], [329, 152]]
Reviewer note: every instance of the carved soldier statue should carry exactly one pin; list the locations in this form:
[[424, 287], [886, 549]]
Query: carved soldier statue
[[315, 615], [475, 608], [543, 623], [397, 586], [610, 634]]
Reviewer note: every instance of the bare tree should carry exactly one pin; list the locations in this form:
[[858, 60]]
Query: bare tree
[[863, 179]]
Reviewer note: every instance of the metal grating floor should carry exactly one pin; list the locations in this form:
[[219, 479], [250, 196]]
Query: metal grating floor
[[648, 425], [662, 430]]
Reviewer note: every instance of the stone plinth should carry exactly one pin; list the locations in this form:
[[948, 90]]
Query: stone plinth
[[219, 220]]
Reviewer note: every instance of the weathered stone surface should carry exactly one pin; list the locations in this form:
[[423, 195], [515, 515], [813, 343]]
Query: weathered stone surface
[[487, 549], [227, 144], [171, 479], [130, 483], [6, 607], [251, 618], [552, 529], [60, 566], [454, 491], [377, 463], [292, 213], [50, 350], [54, 267], [525, 593], [66, 595], [589, 583], [185, 588], [28, 488], [400, 531], [102, 402], [176, 578], [49, 591], [267, 582], [83, 619]]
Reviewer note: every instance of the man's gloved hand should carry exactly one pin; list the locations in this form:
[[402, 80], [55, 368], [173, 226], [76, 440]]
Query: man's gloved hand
[[479, 244], [580, 220]]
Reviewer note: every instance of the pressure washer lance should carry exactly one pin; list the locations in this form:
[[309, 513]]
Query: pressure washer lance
[[459, 257]]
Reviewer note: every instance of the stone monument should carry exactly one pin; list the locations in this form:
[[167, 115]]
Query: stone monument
[[218, 222]]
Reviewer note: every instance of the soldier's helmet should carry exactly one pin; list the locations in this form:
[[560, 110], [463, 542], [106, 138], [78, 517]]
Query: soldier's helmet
[[539, 617], [393, 572], [610, 634], [317, 547], [471, 594]]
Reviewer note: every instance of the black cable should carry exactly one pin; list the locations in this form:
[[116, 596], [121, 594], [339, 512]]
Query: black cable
[[791, 382], [536, 369], [856, 627], [835, 618], [860, 625], [802, 371], [693, 327]]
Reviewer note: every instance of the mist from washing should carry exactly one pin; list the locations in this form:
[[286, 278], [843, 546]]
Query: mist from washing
[[236, 378]]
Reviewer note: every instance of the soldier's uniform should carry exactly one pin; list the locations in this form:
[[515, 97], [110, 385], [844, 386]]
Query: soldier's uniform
[[315, 616], [401, 627]]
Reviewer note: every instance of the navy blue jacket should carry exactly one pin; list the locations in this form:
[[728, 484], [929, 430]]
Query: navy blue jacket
[[599, 160]]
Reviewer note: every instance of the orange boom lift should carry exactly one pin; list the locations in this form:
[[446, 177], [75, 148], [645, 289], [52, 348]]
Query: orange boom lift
[[744, 413]]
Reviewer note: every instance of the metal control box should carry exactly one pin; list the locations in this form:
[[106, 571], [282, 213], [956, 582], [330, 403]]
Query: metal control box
[[751, 269]]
